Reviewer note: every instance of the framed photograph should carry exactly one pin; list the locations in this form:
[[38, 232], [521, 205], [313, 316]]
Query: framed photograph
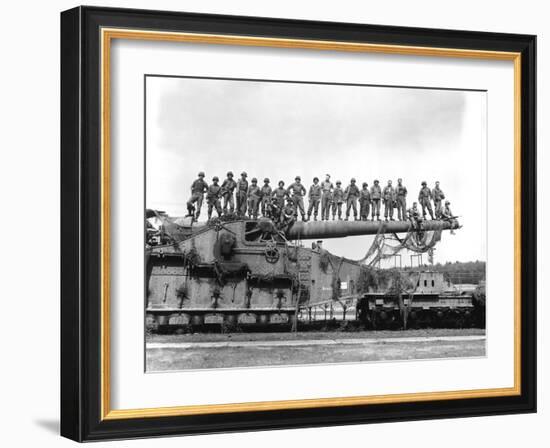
[[272, 223]]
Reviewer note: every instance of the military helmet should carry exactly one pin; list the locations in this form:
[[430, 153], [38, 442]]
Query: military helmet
[[201, 174], [244, 174], [215, 179], [266, 179], [365, 184], [281, 182], [315, 179], [447, 202], [353, 179], [375, 181], [297, 178], [230, 174], [254, 179], [338, 182], [424, 183]]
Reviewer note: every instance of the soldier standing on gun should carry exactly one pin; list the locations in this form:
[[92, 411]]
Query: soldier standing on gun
[[326, 197], [438, 197], [401, 193], [266, 193], [350, 195], [364, 202], [298, 191], [242, 190], [254, 195], [425, 197], [213, 196], [389, 199], [280, 194], [375, 196], [337, 200], [228, 187], [198, 188], [314, 197]]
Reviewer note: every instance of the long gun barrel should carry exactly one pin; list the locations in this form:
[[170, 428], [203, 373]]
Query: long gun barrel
[[340, 229]]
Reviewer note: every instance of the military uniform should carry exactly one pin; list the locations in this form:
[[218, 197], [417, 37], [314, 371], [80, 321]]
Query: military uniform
[[254, 196], [351, 194], [280, 194], [401, 194], [242, 190], [266, 193], [389, 197], [337, 201], [213, 195], [425, 197], [414, 216], [375, 197], [198, 188], [447, 215], [228, 187], [364, 203], [314, 197], [438, 196], [326, 198], [298, 191]]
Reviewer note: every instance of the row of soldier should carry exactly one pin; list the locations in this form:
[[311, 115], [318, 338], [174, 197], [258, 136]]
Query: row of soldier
[[239, 197]]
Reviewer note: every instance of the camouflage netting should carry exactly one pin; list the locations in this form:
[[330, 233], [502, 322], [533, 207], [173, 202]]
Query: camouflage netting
[[386, 246]]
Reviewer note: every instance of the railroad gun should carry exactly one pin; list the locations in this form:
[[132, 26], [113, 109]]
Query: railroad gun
[[238, 273]]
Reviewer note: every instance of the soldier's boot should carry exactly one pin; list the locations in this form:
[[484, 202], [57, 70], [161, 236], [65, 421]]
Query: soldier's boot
[[308, 216], [314, 217], [304, 217], [378, 217]]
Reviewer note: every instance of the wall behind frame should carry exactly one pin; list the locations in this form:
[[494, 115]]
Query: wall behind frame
[[29, 162]]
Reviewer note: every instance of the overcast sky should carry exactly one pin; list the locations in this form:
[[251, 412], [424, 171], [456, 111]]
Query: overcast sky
[[280, 130]]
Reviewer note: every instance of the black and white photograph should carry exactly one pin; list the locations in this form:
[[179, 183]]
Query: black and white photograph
[[294, 223]]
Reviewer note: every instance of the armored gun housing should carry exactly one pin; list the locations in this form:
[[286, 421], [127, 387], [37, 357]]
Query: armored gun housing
[[246, 273]]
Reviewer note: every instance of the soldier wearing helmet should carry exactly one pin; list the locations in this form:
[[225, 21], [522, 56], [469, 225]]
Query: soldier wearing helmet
[[337, 200], [280, 194], [213, 197], [389, 198], [425, 198], [375, 197], [198, 188], [314, 197], [254, 195], [266, 193], [350, 195], [228, 187], [401, 194], [326, 197], [447, 215], [438, 197], [297, 191], [364, 202], [242, 191]]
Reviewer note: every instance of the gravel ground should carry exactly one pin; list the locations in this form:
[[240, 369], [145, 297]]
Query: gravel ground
[[253, 350], [309, 335]]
